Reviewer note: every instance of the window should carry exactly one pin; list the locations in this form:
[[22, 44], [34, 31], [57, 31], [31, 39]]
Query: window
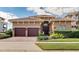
[[60, 28]]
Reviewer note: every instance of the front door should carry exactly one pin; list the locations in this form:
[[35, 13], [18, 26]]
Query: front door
[[45, 27]]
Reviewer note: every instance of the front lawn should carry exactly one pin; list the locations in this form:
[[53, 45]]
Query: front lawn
[[59, 46], [61, 40]]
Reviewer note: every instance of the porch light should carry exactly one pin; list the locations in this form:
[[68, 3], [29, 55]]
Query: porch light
[[4, 26]]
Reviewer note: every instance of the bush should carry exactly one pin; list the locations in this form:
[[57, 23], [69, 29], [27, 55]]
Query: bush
[[9, 32], [69, 34], [65, 33], [41, 36], [3, 35], [56, 35], [74, 34]]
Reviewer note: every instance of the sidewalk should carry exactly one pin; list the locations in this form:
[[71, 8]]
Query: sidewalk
[[57, 42]]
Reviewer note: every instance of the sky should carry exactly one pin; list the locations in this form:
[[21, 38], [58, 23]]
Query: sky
[[20, 12], [15, 12]]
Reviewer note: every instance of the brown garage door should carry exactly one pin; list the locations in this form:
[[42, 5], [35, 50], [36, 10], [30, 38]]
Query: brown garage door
[[33, 31], [20, 32]]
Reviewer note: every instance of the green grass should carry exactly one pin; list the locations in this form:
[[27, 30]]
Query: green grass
[[59, 46], [61, 40]]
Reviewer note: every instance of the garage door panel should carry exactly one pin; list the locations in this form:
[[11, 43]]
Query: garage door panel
[[20, 32], [33, 31]]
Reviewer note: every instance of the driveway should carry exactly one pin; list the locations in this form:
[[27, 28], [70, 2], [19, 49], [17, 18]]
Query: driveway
[[19, 44]]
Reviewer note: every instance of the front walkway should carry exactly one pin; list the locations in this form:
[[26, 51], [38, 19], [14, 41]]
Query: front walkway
[[18, 44]]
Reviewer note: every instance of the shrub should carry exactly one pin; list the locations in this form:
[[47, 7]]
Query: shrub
[[65, 33], [3, 35], [69, 34], [74, 34], [9, 32], [41, 36], [56, 35]]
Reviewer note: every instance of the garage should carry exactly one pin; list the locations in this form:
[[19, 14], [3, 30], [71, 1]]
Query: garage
[[19, 32], [33, 31]]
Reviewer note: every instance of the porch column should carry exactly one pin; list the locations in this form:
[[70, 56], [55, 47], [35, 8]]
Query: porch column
[[13, 32], [53, 27]]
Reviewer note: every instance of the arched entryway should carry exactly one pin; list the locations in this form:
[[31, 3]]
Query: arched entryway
[[45, 27]]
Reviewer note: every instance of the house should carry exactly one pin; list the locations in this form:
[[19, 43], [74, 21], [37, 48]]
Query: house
[[3, 25], [32, 25]]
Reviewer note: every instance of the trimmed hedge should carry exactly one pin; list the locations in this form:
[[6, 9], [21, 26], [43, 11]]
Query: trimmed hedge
[[69, 34], [61, 34]]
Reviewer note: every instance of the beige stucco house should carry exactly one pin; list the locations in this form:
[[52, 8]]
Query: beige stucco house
[[31, 26]]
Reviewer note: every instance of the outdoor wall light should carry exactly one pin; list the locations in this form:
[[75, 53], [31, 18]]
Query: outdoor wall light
[[4, 26]]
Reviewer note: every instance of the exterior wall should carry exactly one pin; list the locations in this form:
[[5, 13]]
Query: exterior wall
[[58, 25], [36, 24], [78, 24], [25, 25], [68, 25]]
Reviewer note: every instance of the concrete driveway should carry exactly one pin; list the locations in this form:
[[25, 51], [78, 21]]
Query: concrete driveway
[[19, 44]]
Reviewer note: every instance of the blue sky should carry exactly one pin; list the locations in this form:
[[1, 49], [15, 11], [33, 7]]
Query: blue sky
[[18, 11]]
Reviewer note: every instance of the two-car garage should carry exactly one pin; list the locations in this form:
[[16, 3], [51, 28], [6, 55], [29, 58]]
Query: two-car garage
[[22, 32]]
